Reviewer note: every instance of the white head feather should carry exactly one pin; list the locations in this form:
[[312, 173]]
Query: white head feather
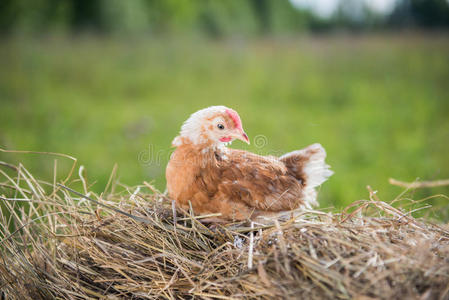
[[192, 127]]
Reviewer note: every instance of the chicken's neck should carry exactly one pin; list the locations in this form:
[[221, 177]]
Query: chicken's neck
[[204, 156], [206, 150], [211, 148], [203, 145]]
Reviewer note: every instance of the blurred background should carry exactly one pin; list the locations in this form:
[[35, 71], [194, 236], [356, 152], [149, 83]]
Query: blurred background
[[110, 82]]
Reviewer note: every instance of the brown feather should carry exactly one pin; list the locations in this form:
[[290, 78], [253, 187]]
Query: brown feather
[[236, 183]]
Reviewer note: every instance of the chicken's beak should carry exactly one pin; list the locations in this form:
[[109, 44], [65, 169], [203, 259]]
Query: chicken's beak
[[243, 137]]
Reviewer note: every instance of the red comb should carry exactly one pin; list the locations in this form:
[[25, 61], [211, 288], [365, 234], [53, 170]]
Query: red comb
[[235, 117]]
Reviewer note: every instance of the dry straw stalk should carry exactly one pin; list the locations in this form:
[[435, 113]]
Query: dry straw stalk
[[56, 244]]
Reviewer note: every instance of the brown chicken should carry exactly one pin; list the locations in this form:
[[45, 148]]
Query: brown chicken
[[238, 184]]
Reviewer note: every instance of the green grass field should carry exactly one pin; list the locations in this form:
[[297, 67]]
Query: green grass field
[[378, 104]]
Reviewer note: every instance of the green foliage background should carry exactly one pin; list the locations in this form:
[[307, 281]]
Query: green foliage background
[[379, 104]]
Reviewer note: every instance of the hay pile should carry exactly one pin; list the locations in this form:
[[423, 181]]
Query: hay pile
[[60, 245]]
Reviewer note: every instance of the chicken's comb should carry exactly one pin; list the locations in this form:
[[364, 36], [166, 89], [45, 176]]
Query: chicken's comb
[[235, 117]]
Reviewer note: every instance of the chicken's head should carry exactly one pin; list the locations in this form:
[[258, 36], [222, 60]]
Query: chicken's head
[[211, 126]]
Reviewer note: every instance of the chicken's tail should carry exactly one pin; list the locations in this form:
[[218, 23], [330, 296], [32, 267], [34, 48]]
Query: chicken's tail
[[309, 167]]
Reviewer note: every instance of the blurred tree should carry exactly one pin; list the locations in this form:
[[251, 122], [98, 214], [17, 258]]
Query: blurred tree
[[8, 14], [355, 15], [86, 14], [218, 18], [210, 17], [33, 16], [285, 18], [262, 12], [421, 13], [126, 16]]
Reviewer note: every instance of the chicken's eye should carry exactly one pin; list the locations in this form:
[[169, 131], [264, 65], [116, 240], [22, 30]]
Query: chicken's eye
[[220, 126]]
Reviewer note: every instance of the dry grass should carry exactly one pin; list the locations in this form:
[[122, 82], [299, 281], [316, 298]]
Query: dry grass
[[59, 245]]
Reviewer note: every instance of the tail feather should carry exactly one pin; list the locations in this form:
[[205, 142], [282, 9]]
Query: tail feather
[[309, 166]]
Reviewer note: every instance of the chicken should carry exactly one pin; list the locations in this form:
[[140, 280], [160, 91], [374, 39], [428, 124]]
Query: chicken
[[238, 184]]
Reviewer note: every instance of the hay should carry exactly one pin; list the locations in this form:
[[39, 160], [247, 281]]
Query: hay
[[60, 245]]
